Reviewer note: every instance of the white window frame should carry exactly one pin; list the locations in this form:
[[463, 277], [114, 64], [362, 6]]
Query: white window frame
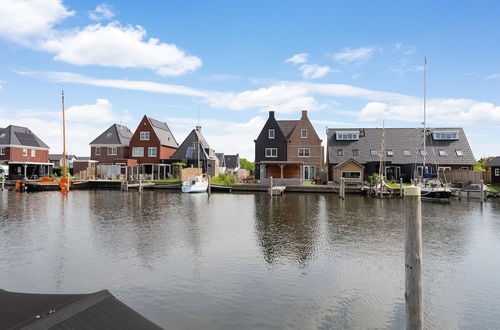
[[306, 152], [459, 153], [342, 174], [150, 154], [137, 154], [390, 152], [303, 133], [352, 136], [2, 151], [112, 151], [109, 134], [374, 152], [497, 171], [444, 168], [33, 152], [144, 136], [25, 152], [269, 135], [271, 151], [406, 152], [97, 151], [442, 153]]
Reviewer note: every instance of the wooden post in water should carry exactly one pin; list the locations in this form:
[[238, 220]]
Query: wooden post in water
[[140, 183], [413, 258], [209, 186], [482, 191], [3, 182], [401, 187], [271, 189]]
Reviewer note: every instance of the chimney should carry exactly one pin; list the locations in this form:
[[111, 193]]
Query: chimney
[[198, 129], [304, 114], [271, 114]]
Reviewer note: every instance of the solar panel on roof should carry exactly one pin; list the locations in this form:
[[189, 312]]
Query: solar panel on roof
[[27, 139]]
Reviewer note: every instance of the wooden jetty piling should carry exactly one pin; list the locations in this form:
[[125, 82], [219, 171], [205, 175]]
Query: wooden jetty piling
[[3, 182], [209, 185], [482, 192], [401, 187], [271, 188], [413, 258]]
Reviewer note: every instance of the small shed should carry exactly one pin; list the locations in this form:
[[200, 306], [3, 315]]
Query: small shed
[[493, 171], [350, 170]]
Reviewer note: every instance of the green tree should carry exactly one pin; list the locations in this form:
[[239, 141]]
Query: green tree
[[247, 165], [480, 163]]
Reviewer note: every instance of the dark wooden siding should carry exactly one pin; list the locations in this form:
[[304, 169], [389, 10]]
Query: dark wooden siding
[[262, 142]]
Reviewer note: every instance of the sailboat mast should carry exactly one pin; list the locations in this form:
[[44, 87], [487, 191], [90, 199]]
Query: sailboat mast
[[425, 123], [65, 160]]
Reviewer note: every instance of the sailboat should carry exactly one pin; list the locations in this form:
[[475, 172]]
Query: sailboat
[[431, 187], [199, 183]]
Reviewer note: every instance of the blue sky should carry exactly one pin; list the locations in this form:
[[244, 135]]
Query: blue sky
[[351, 64]]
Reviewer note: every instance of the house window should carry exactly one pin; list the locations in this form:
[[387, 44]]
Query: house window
[[270, 133], [2, 150], [445, 135], [109, 134], [304, 152], [351, 175], [497, 171], [460, 153], [340, 152], [25, 152], [406, 153], [390, 153], [443, 153], [33, 153], [303, 133], [423, 152], [271, 152], [112, 151], [465, 168], [152, 152], [374, 152], [144, 136], [348, 136], [189, 152], [444, 168], [137, 152], [355, 152]]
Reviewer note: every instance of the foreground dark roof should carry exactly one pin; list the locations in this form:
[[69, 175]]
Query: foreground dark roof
[[220, 157], [494, 162], [189, 147], [163, 132], [231, 160], [397, 140], [115, 134], [60, 156], [287, 126], [20, 136], [100, 310]]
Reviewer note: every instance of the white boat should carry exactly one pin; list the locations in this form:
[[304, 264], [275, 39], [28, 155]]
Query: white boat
[[195, 185]]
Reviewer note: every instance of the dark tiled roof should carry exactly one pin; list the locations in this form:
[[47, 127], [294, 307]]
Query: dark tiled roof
[[115, 134], [82, 158], [220, 157], [494, 162], [194, 142], [60, 156], [163, 132], [232, 161], [398, 140], [287, 126], [21, 136]]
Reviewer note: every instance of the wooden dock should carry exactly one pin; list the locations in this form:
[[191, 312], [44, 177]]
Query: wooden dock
[[276, 190]]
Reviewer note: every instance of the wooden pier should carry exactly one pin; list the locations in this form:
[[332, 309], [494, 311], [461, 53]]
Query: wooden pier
[[276, 190]]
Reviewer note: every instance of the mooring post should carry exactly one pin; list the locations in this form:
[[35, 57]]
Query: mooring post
[[460, 194], [482, 191], [271, 189], [342, 188], [3, 182], [140, 183], [413, 258], [401, 187], [209, 186]]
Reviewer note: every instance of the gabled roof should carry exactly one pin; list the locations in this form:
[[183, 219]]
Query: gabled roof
[[287, 126], [115, 134], [163, 132], [60, 156], [397, 140], [494, 162], [20, 136], [189, 148], [220, 157], [231, 160], [350, 160], [82, 158]]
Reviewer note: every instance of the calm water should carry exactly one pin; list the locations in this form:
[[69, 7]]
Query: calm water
[[244, 262]]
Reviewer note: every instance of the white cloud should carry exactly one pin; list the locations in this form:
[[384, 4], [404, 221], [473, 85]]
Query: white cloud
[[100, 112], [298, 58], [359, 55], [102, 12], [493, 76], [406, 50], [314, 71], [121, 46], [27, 21]]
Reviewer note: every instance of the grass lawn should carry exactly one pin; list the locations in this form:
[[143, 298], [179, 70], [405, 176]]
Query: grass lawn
[[222, 180], [494, 188], [396, 185], [166, 181]]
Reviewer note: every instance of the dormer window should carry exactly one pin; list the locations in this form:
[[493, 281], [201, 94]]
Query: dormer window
[[144, 136], [460, 153], [109, 134], [303, 133], [406, 153], [270, 133], [340, 152], [423, 152], [374, 152], [442, 135], [349, 136], [390, 153], [443, 153]]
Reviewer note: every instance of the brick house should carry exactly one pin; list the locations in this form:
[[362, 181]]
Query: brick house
[[112, 146], [152, 144], [26, 155], [290, 151]]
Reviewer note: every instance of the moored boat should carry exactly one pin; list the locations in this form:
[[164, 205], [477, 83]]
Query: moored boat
[[197, 184]]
